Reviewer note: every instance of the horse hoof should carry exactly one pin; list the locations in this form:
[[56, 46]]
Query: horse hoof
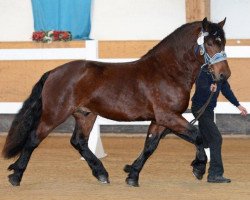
[[127, 168], [132, 182], [197, 174], [14, 180], [103, 179]]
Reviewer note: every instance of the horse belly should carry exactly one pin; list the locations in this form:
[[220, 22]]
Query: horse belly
[[121, 107]]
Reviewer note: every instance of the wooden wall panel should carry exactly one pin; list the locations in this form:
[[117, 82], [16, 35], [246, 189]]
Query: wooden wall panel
[[18, 77], [240, 78], [125, 49], [197, 9], [238, 42], [136, 49]]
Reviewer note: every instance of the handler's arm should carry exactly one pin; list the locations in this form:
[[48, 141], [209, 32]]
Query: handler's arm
[[228, 93]]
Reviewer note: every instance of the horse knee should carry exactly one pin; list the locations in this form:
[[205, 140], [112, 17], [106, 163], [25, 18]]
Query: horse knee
[[196, 136]]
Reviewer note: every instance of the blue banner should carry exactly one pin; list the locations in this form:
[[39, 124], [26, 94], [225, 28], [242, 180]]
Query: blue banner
[[63, 15]]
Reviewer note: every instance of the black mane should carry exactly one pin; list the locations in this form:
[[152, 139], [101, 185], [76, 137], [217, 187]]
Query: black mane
[[176, 35]]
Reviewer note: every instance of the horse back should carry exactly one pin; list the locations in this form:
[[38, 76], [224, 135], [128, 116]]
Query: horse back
[[116, 91]]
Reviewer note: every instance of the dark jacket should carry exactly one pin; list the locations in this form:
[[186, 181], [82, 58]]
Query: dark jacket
[[202, 91]]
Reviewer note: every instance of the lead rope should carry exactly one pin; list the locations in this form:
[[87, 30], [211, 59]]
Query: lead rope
[[202, 109]]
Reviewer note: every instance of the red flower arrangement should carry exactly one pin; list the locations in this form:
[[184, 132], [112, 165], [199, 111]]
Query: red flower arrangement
[[49, 36]]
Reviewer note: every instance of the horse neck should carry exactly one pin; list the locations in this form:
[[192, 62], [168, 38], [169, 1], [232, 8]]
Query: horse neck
[[176, 55]]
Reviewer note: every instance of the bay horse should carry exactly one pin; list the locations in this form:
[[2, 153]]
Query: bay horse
[[154, 88]]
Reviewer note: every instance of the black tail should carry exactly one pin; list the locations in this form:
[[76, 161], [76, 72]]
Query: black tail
[[25, 121]]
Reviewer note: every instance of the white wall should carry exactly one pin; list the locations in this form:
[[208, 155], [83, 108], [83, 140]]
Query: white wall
[[129, 19], [16, 20], [238, 17], [111, 19], [136, 19]]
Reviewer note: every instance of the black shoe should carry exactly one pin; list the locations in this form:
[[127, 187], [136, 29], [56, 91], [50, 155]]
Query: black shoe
[[218, 179]]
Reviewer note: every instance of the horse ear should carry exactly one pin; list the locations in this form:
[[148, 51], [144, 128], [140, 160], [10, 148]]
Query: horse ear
[[222, 23], [205, 24]]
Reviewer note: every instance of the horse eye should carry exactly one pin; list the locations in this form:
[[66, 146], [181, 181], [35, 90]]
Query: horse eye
[[209, 43]]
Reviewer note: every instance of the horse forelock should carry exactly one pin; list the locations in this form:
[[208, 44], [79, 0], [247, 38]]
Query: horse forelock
[[215, 31]]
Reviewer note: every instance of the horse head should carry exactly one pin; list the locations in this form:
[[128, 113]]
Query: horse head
[[212, 45]]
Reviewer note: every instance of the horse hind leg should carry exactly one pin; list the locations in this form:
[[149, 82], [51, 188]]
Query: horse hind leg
[[79, 140], [34, 139], [21, 163], [155, 133]]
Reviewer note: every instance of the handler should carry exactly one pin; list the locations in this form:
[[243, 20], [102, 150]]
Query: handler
[[211, 135]]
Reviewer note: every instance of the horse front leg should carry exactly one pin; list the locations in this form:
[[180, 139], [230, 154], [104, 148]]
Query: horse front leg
[[182, 128], [199, 163], [155, 133]]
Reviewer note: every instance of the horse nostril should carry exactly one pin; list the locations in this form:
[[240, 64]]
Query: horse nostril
[[222, 76]]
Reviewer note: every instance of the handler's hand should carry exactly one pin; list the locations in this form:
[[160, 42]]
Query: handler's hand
[[213, 87], [243, 110]]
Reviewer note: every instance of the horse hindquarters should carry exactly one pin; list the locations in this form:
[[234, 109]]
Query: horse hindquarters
[[37, 118]]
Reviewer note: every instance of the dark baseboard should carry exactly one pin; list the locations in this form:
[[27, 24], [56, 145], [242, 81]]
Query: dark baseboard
[[227, 124]]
